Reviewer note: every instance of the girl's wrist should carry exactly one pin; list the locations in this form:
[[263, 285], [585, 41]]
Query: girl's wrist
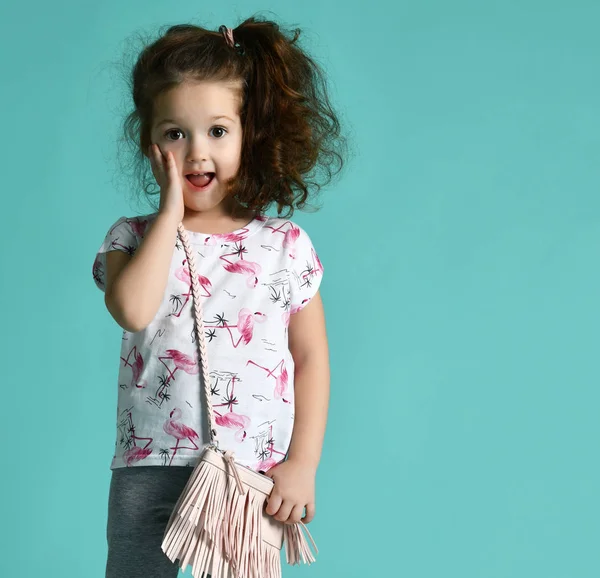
[[168, 215], [304, 461]]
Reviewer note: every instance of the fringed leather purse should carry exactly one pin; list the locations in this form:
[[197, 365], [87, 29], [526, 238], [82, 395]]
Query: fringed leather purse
[[219, 523]]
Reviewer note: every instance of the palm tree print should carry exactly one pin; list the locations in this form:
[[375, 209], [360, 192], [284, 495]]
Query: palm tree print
[[239, 250], [176, 299], [165, 454], [161, 393]]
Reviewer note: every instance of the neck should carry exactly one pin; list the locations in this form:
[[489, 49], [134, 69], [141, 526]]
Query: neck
[[216, 224]]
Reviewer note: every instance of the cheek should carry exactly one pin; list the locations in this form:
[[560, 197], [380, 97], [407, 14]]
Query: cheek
[[234, 151], [229, 165], [166, 147], [236, 160]]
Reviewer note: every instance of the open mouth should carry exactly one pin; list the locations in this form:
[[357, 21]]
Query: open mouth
[[200, 182]]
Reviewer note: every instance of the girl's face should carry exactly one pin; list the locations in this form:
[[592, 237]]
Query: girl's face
[[199, 123]]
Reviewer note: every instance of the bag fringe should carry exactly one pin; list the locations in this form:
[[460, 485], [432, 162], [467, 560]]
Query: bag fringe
[[218, 530], [297, 548]]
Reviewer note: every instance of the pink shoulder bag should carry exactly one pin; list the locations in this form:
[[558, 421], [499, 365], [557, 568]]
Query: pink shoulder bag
[[219, 523]]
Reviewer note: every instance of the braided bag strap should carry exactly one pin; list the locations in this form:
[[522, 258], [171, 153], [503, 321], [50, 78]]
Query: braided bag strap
[[199, 327]]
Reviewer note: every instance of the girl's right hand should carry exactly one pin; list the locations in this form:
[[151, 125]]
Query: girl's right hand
[[165, 172]]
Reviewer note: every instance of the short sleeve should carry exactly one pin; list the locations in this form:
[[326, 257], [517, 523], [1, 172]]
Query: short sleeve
[[305, 269], [123, 235]]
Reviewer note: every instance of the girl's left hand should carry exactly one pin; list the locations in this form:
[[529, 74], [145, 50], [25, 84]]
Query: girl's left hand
[[294, 490]]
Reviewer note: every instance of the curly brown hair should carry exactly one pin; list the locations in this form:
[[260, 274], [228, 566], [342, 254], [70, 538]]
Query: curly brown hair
[[292, 140]]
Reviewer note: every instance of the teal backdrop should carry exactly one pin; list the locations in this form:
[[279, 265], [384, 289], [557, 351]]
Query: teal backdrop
[[461, 284]]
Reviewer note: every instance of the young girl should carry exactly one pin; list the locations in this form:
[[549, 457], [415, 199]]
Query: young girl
[[230, 122]]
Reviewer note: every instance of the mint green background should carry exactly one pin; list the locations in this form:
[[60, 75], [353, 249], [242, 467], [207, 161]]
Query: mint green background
[[461, 286]]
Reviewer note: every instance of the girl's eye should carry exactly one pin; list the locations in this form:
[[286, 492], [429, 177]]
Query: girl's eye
[[176, 130], [220, 128], [172, 131]]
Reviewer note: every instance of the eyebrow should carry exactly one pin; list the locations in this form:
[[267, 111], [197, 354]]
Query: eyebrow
[[168, 120]]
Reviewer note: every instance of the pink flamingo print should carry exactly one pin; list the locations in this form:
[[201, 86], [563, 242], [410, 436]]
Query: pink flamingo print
[[180, 432], [242, 267], [281, 380], [222, 238], [289, 241], [266, 451], [183, 274], [245, 325], [231, 419], [248, 268], [317, 261], [130, 249], [136, 368], [289, 237], [235, 421], [139, 226], [182, 361], [135, 453]]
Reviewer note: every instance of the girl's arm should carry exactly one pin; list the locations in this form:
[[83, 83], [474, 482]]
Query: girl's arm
[[135, 285], [294, 478], [309, 348]]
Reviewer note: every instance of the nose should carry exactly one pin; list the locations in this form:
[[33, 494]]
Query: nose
[[197, 150]]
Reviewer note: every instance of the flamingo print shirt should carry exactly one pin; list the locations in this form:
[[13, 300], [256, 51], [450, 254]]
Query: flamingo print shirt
[[251, 281]]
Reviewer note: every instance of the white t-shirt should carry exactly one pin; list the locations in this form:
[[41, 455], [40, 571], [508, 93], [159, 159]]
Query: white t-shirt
[[251, 281]]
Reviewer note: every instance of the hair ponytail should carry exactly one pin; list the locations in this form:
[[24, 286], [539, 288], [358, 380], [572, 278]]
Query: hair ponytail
[[292, 141]]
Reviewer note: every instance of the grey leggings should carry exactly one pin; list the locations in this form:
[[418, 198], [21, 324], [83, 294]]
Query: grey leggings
[[141, 499]]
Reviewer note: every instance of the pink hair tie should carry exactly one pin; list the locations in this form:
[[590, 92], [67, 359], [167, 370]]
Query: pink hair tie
[[228, 34]]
